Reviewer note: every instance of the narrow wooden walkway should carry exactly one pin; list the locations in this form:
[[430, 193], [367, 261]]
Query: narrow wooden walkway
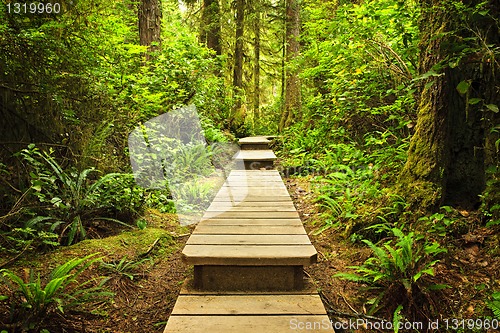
[[248, 253]]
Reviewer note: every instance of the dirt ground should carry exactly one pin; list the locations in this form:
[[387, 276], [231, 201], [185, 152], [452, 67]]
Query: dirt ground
[[144, 303]]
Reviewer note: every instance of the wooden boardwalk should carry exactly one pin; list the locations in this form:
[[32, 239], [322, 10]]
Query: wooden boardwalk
[[248, 253]]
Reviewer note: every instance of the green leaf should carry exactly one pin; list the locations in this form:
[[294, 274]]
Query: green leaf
[[3, 298], [463, 87], [492, 107], [474, 101], [396, 319]]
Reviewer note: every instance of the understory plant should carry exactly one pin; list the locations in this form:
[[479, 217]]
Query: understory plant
[[400, 269], [32, 300], [69, 199]]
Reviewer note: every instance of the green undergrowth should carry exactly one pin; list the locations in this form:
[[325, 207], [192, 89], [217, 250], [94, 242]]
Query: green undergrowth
[[132, 244]]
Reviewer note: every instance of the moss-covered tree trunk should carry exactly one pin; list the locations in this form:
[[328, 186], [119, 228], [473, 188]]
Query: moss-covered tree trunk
[[210, 29], [446, 159]]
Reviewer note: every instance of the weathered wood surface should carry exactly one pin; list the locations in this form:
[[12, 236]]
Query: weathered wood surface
[[198, 239], [255, 155], [221, 229], [238, 197], [250, 222], [254, 140], [252, 255], [249, 324], [251, 214], [249, 305], [245, 313]]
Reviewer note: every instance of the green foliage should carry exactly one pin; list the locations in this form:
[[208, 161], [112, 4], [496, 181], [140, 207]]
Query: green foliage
[[398, 268], [35, 300], [122, 268], [494, 304], [438, 223], [69, 198]]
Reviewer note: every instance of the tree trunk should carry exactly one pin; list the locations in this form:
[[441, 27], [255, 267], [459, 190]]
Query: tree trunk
[[210, 32], [238, 114], [150, 24], [292, 107], [446, 159], [256, 69]]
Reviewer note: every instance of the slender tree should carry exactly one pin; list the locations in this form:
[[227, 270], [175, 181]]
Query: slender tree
[[292, 103], [446, 158], [149, 14], [238, 63], [256, 68]]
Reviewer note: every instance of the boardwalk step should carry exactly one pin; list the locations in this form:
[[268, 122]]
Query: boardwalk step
[[248, 313], [254, 143], [255, 229], [250, 255], [256, 159]]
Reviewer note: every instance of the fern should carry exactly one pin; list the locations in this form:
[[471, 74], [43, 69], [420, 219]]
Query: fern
[[33, 301], [494, 304], [403, 263]]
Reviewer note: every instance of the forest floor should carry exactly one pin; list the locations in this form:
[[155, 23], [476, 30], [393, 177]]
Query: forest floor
[[145, 293]]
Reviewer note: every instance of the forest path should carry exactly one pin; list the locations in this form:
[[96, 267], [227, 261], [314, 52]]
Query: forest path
[[248, 252]]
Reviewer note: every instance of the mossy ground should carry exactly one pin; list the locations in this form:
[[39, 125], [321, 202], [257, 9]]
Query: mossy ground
[[143, 299]]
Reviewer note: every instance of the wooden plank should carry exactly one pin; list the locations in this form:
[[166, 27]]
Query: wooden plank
[[265, 176], [255, 155], [252, 192], [251, 222], [250, 255], [224, 197], [249, 324], [254, 182], [253, 189], [254, 172], [249, 229], [254, 139], [255, 208], [249, 305], [250, 215], [252, 204], [248, 240]]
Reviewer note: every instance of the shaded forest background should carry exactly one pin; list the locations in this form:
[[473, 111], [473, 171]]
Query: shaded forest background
[[388, 109]]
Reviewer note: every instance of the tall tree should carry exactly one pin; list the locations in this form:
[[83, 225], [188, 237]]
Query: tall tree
[[292, 103], [446, 159], [238, 63], [149, 14], [256, 68], [210, 32]]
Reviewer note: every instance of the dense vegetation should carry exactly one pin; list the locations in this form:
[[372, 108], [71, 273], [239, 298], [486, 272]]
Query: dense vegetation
[[388, 109]]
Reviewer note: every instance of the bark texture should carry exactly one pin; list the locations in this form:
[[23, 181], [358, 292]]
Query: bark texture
[[210, 32], [446, 159], [238, 115], [149, 14], [292, 103]]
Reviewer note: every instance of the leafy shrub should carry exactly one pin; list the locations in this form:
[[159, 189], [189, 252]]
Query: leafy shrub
[[32, 302], [399, 270]]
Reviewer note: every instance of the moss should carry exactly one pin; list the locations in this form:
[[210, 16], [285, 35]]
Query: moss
[[131, 244]]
